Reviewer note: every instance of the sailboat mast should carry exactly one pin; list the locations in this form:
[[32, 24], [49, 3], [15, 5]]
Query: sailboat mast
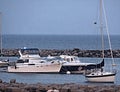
[[109, 40], [101, 28], [0, 33]]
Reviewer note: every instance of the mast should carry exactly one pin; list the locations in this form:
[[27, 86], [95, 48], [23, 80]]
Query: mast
[[109, 40], [101, 28], [0, 33]]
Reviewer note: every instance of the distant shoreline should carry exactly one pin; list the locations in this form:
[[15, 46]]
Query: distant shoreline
[[57, 52]]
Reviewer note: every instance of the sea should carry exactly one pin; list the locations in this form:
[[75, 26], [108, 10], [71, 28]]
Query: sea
[[61, 42]]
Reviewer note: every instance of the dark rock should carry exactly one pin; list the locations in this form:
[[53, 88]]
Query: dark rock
[[42, 90], [75, 51], [13, 89], [68, 87], [0, 80], [13, 81], [64, 90]]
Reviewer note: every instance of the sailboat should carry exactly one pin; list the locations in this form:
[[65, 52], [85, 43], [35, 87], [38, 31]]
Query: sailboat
[[101, 75], [3, 64]]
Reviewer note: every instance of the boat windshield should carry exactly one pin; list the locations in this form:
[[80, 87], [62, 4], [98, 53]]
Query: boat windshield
[[29, 51], [53, 58], [71, 59]]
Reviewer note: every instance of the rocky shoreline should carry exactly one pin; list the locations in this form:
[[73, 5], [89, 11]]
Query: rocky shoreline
[[14, 86], [75, 52]]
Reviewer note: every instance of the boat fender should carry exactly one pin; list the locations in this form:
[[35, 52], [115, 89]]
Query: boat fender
[[68, 72]]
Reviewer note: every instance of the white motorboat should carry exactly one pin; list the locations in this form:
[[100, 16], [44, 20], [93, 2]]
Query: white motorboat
[[102, 76], [72, 64], [35, 66], [31, 62]]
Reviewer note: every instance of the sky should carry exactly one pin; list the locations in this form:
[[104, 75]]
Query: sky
[[57, 17]]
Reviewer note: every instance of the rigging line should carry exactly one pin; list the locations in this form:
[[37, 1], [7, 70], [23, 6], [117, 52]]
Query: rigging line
[[106, 23], [1, 33]]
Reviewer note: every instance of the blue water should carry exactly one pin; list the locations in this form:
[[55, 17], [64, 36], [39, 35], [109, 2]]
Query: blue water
[[33, 78], [58, 41]]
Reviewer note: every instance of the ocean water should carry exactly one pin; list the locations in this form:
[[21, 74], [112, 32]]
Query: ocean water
[[32, 78], [58, 42]]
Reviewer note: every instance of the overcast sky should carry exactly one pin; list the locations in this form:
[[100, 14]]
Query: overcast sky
[[71, 17]]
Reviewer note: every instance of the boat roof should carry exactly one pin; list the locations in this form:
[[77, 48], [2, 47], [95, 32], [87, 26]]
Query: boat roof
[[29, 50], [67, 56]]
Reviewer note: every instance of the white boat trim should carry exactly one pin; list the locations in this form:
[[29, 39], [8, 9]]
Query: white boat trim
[[105, 77]]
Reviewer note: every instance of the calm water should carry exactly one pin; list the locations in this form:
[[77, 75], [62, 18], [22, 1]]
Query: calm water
[[57, 42], [61, 78]]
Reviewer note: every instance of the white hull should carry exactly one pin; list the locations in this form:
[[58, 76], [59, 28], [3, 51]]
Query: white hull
[[52, 68], [105, 77], [3, 63]]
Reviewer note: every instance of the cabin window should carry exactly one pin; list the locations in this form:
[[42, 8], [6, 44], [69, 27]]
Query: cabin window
[[71, 59], [68, 59], [31, 64]]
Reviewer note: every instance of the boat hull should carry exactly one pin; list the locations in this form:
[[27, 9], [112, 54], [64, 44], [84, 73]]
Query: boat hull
[[73, 69], [3, 63], [55, 68], [109, 77]]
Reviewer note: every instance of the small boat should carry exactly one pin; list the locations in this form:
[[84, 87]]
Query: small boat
[[102, 75], [72, 64], [31, 62], [35, 66], [3, 65]]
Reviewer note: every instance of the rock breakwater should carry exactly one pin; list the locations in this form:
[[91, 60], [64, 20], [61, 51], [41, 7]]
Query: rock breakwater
[[68, 87], [14, 86], [75, 52]]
